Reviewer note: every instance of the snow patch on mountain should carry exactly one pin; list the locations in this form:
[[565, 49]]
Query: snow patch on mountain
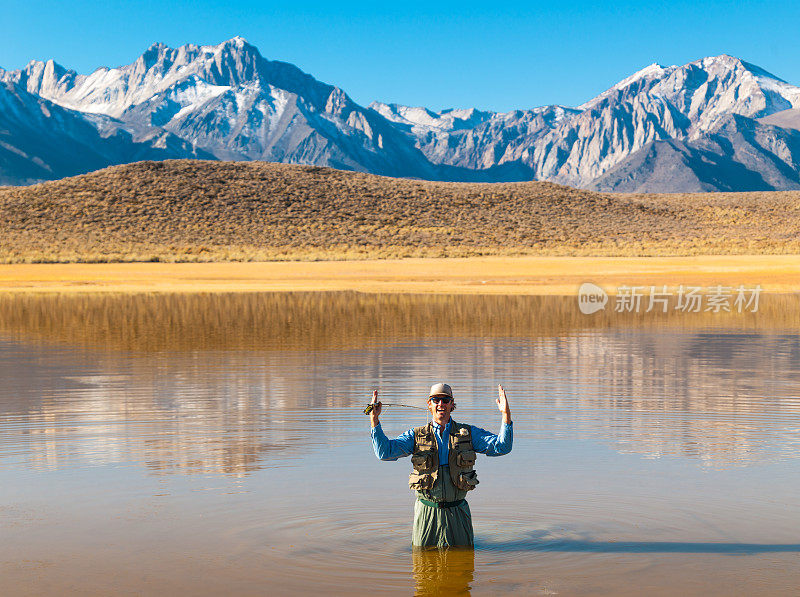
[[446, 120]]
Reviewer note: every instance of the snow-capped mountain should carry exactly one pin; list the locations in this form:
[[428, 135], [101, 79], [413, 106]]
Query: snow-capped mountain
[[714, 124], [232, 102], [693, 104], [40, 140]]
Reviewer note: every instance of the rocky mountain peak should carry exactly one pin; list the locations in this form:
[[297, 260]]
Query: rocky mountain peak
[[675, 126]]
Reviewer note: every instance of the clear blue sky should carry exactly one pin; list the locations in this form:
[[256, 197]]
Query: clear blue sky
[[489, 55]]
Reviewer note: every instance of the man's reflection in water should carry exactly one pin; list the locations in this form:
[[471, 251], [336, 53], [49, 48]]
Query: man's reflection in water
[[443, 571]]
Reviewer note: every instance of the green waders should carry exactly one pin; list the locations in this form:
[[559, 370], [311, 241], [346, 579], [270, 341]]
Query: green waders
[[442, 527]]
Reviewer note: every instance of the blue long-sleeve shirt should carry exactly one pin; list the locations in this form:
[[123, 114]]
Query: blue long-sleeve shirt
[[482, 441]]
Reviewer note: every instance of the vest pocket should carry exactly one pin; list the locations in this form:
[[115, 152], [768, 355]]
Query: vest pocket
[[422, 463], [420, 481], [468, 480], [466, 458]]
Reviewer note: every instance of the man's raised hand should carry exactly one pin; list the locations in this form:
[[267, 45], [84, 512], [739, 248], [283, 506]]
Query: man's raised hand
[[502, 404], [376, 410]]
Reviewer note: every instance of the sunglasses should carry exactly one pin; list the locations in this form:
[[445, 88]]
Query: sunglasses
[[442, 399]]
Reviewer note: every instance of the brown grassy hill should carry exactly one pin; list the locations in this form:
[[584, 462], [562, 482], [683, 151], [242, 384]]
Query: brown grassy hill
[[215, 211]]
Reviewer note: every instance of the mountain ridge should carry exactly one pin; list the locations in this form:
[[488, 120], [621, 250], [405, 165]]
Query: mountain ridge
[[230, 102], [191, 210]]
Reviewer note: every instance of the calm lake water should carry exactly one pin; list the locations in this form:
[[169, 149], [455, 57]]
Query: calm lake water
[[205, 445]]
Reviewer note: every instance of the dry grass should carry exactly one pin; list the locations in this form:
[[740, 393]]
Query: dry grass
[[215, 211], [540, 275]]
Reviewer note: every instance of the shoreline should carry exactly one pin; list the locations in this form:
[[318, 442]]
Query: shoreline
[[472, 275]]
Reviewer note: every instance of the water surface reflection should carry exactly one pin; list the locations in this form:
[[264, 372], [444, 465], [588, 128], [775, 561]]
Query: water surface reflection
[[443, 572], [217, 443]]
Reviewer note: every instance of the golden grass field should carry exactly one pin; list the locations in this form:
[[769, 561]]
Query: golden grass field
[[542, 275], [196, 211], [232, 226]]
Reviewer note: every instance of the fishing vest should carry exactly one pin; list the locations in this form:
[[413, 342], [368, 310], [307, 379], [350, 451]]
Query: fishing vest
[[460, 457]]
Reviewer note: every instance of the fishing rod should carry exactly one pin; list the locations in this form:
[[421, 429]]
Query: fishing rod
[[373, 405]]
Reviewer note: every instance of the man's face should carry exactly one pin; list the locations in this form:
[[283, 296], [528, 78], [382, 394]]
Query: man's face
[[440, 407]]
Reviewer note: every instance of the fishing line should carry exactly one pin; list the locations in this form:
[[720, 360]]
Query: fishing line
[[370, 406]]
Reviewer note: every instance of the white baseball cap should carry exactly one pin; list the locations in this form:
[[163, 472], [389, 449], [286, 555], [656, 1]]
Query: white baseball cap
[[441, 389]]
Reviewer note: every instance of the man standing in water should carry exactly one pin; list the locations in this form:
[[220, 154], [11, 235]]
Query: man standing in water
[[443, 456]]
